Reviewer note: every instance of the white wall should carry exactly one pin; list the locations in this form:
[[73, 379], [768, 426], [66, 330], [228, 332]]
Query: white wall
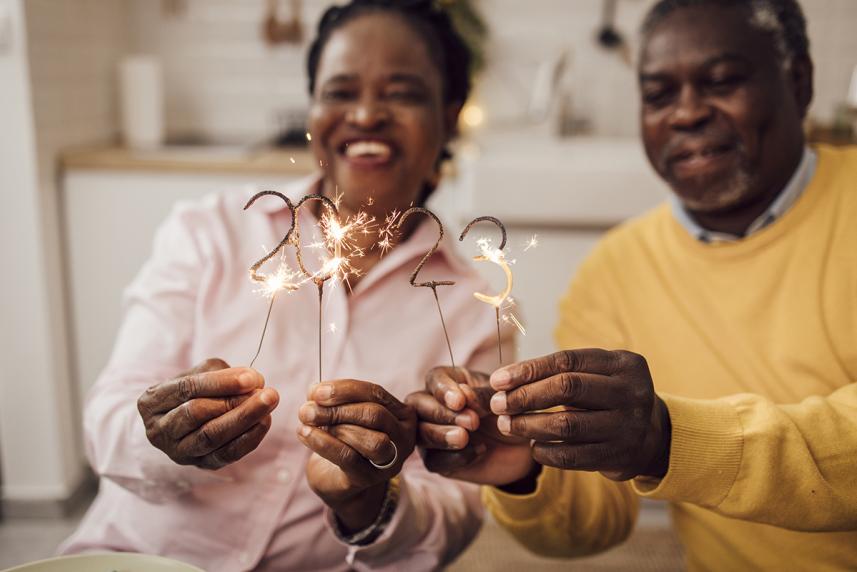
[[57, 90], [40, 455], [224, 82]]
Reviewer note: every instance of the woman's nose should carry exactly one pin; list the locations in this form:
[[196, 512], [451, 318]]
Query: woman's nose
[[368, 114]]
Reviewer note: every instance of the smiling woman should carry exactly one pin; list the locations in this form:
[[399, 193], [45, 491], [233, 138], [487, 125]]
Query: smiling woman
[[387, 80]]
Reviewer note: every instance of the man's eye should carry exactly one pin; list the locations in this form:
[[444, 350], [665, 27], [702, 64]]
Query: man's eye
[[725, 84], [655, 97]]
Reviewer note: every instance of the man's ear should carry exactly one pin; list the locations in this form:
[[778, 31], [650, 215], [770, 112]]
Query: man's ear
[[802, 83]]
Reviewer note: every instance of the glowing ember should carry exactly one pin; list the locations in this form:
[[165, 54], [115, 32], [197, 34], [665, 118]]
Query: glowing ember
[[532, 243]]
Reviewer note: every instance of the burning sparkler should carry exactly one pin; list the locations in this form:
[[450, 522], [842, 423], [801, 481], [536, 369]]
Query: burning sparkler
[[496, 256], [433, 284], [284, 277]]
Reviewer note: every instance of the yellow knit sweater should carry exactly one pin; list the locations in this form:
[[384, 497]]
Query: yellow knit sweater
[[753, 347]]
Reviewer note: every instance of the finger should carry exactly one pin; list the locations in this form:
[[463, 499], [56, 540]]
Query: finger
[[238, 447], [584, 361], [478, 399], [443, 383], [211, 364], [447, 462], [586, 457], [567, 426], [191, 415], [428, 409], [445, 437], [221, 430], [584, 390], [368, 415], [170, 394], [342, 391], [334, 450], [373, 445]]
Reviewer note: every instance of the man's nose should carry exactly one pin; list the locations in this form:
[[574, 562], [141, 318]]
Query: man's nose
[[691, 111], [368, 114]]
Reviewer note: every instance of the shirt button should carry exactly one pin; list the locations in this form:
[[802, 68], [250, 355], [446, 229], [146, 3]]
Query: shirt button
[[283, 476]]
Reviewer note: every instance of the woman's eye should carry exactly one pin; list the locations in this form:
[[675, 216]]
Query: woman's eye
[[337, 95], [406, 95]]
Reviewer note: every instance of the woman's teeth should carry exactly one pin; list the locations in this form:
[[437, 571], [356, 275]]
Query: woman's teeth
[[368, 149]]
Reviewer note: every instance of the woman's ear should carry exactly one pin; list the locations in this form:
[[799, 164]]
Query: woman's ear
[[451, 112]]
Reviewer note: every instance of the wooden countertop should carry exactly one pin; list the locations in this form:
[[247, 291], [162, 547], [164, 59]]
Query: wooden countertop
[[295, 161]]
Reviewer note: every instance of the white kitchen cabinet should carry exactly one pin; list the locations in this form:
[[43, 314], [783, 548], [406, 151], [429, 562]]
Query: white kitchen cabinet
[[110, 221]]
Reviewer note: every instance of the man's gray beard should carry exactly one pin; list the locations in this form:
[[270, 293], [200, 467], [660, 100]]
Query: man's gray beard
[[723, 195]]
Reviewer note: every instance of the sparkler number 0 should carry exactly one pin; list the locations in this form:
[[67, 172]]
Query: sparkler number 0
[[254, 270]]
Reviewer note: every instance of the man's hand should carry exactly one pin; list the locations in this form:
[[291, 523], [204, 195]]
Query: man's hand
[[611, 421], [210, 416], [350, 424], [458, 435]]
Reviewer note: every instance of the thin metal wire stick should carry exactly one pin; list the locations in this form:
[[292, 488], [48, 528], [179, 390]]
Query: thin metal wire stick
[[320, 294], [264, 329], [442, 323], [499, 343]]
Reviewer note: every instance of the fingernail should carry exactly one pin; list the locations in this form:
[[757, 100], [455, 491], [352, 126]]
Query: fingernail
[[504, 424], [308, 412], [323, 391], [305, 430], [465, 420], [268, 397], [501, 379], [454, 438], [248, 380], [498, 402], [453, 399]]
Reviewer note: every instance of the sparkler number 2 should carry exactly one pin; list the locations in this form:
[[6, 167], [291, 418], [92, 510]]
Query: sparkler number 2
[[254, 270], [433, 284], [275, 282]]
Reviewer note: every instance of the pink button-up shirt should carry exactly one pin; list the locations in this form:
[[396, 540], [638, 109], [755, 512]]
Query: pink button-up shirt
[[192, 300]]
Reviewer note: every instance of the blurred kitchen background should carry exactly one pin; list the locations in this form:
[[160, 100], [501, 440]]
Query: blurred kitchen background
[[113, 110]]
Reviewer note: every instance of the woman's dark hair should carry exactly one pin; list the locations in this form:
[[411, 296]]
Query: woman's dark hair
[[431, 22]]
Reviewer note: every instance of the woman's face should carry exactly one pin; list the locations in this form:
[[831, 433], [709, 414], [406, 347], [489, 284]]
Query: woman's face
[[378, 120]]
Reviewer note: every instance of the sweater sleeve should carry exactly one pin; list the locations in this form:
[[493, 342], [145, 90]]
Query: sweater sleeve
[[571, 513], [745, 457], [574, 513]]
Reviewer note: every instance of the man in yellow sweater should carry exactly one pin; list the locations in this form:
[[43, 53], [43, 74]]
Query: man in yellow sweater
[[734, 394]]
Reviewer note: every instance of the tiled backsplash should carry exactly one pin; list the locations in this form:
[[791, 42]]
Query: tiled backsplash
[[224, 82]]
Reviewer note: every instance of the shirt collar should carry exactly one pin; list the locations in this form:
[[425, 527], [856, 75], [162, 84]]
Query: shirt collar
[[788, 196]]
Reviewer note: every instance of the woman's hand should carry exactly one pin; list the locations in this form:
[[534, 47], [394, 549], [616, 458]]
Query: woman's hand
[[457, 432], [210, 416], [349, 425]]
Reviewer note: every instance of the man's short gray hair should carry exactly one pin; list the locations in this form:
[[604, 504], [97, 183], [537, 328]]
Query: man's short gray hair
[[782, 20]]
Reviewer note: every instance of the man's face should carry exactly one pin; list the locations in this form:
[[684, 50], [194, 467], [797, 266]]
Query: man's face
[[721, 117]]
